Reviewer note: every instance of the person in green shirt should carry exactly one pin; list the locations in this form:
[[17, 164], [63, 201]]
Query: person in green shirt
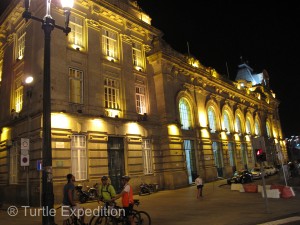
[[106, 191]]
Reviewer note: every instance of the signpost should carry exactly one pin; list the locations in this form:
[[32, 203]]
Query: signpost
[[24, 151]]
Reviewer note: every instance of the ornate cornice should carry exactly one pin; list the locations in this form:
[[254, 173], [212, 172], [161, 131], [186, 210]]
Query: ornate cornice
[[229, 103], [101, 11], [125, 38], [147, 48], [134, 27], [93, 24], [215, 97]]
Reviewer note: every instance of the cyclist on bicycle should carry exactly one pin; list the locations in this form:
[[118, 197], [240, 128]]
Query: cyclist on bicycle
[[127, 198], [106, 190]]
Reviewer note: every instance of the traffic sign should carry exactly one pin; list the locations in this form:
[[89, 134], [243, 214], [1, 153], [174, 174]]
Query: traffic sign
[[24, 160], [24, 143], [39, 165]]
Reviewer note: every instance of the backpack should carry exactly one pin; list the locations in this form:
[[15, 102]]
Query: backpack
[[107, 190]]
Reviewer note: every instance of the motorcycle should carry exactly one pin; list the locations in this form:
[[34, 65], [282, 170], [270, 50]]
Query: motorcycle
[[146, 189], [91, 193]]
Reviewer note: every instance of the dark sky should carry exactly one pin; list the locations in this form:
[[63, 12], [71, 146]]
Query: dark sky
[[264, 33]]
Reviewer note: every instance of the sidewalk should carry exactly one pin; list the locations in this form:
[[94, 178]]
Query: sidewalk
[[219, 206]]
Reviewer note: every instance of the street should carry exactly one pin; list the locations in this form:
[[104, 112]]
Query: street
[[219, 206]]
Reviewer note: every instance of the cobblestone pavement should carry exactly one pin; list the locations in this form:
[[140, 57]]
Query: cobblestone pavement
[[219, 206]]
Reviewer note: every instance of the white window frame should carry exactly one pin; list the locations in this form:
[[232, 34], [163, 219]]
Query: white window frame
[[248, 126], [137, 55], [147, 156], [226, 122], [18, 94], [111, 93], [13, 165], [257, 128], [75, 86], [140, 99], [79, 157], [212, 119], [75, 37], [20, 43], [185, 114], [238, 124], [109, 43]]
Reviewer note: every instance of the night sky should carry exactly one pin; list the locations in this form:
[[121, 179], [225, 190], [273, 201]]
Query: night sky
[[219, 32], [266, 34]]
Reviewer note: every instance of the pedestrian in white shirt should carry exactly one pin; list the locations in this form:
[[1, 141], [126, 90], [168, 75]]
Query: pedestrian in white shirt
[[199, 185]]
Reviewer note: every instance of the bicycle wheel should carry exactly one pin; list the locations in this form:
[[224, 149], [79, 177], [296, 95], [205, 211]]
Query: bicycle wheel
[[93, 219], [110, 220], [75, 221], [143, 218], [136, 217], [101, 220]]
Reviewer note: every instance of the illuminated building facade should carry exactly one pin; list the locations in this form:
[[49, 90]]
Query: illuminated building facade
[[124, 102]]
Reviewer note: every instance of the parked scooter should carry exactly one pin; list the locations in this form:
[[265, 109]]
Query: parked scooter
[[87, 195], [146, 189]]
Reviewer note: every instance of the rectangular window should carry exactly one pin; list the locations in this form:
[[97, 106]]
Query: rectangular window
[[111, 95], [244, 157], [79, 157], [137, 55], [20, 43], [147, 156], [76, 35], [109, 44], [140, 99], [13, 165], [76, 85], [18, 95], [231, 154]]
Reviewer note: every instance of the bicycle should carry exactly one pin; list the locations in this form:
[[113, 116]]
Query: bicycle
[[72, 218], [113, 218]]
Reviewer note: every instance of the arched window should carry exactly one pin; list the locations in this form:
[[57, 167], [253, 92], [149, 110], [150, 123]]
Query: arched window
[[268, 129], [226, 122], [238, 124], [212, 119], [185, 114], [248, 126], [257, 128]]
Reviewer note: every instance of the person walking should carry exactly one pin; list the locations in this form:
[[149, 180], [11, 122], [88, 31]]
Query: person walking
[[127, 198], [68, 200], [199, 185]]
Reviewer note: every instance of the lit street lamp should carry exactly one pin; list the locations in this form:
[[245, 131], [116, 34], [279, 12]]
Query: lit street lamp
[[48, 24]]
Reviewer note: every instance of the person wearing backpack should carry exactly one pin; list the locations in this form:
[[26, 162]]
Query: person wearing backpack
[[106, 191]]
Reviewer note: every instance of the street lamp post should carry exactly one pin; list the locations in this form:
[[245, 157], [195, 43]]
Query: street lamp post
[[48, 24], [28, 82]]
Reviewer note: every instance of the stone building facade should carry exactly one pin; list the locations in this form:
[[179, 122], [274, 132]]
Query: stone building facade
[[123, 102]]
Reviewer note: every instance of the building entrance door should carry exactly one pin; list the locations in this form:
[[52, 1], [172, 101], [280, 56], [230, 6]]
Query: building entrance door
[[190, 160], [116, 163], [218, 158]]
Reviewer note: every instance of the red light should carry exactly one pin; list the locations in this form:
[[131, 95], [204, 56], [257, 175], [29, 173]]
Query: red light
[[259, 151]]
